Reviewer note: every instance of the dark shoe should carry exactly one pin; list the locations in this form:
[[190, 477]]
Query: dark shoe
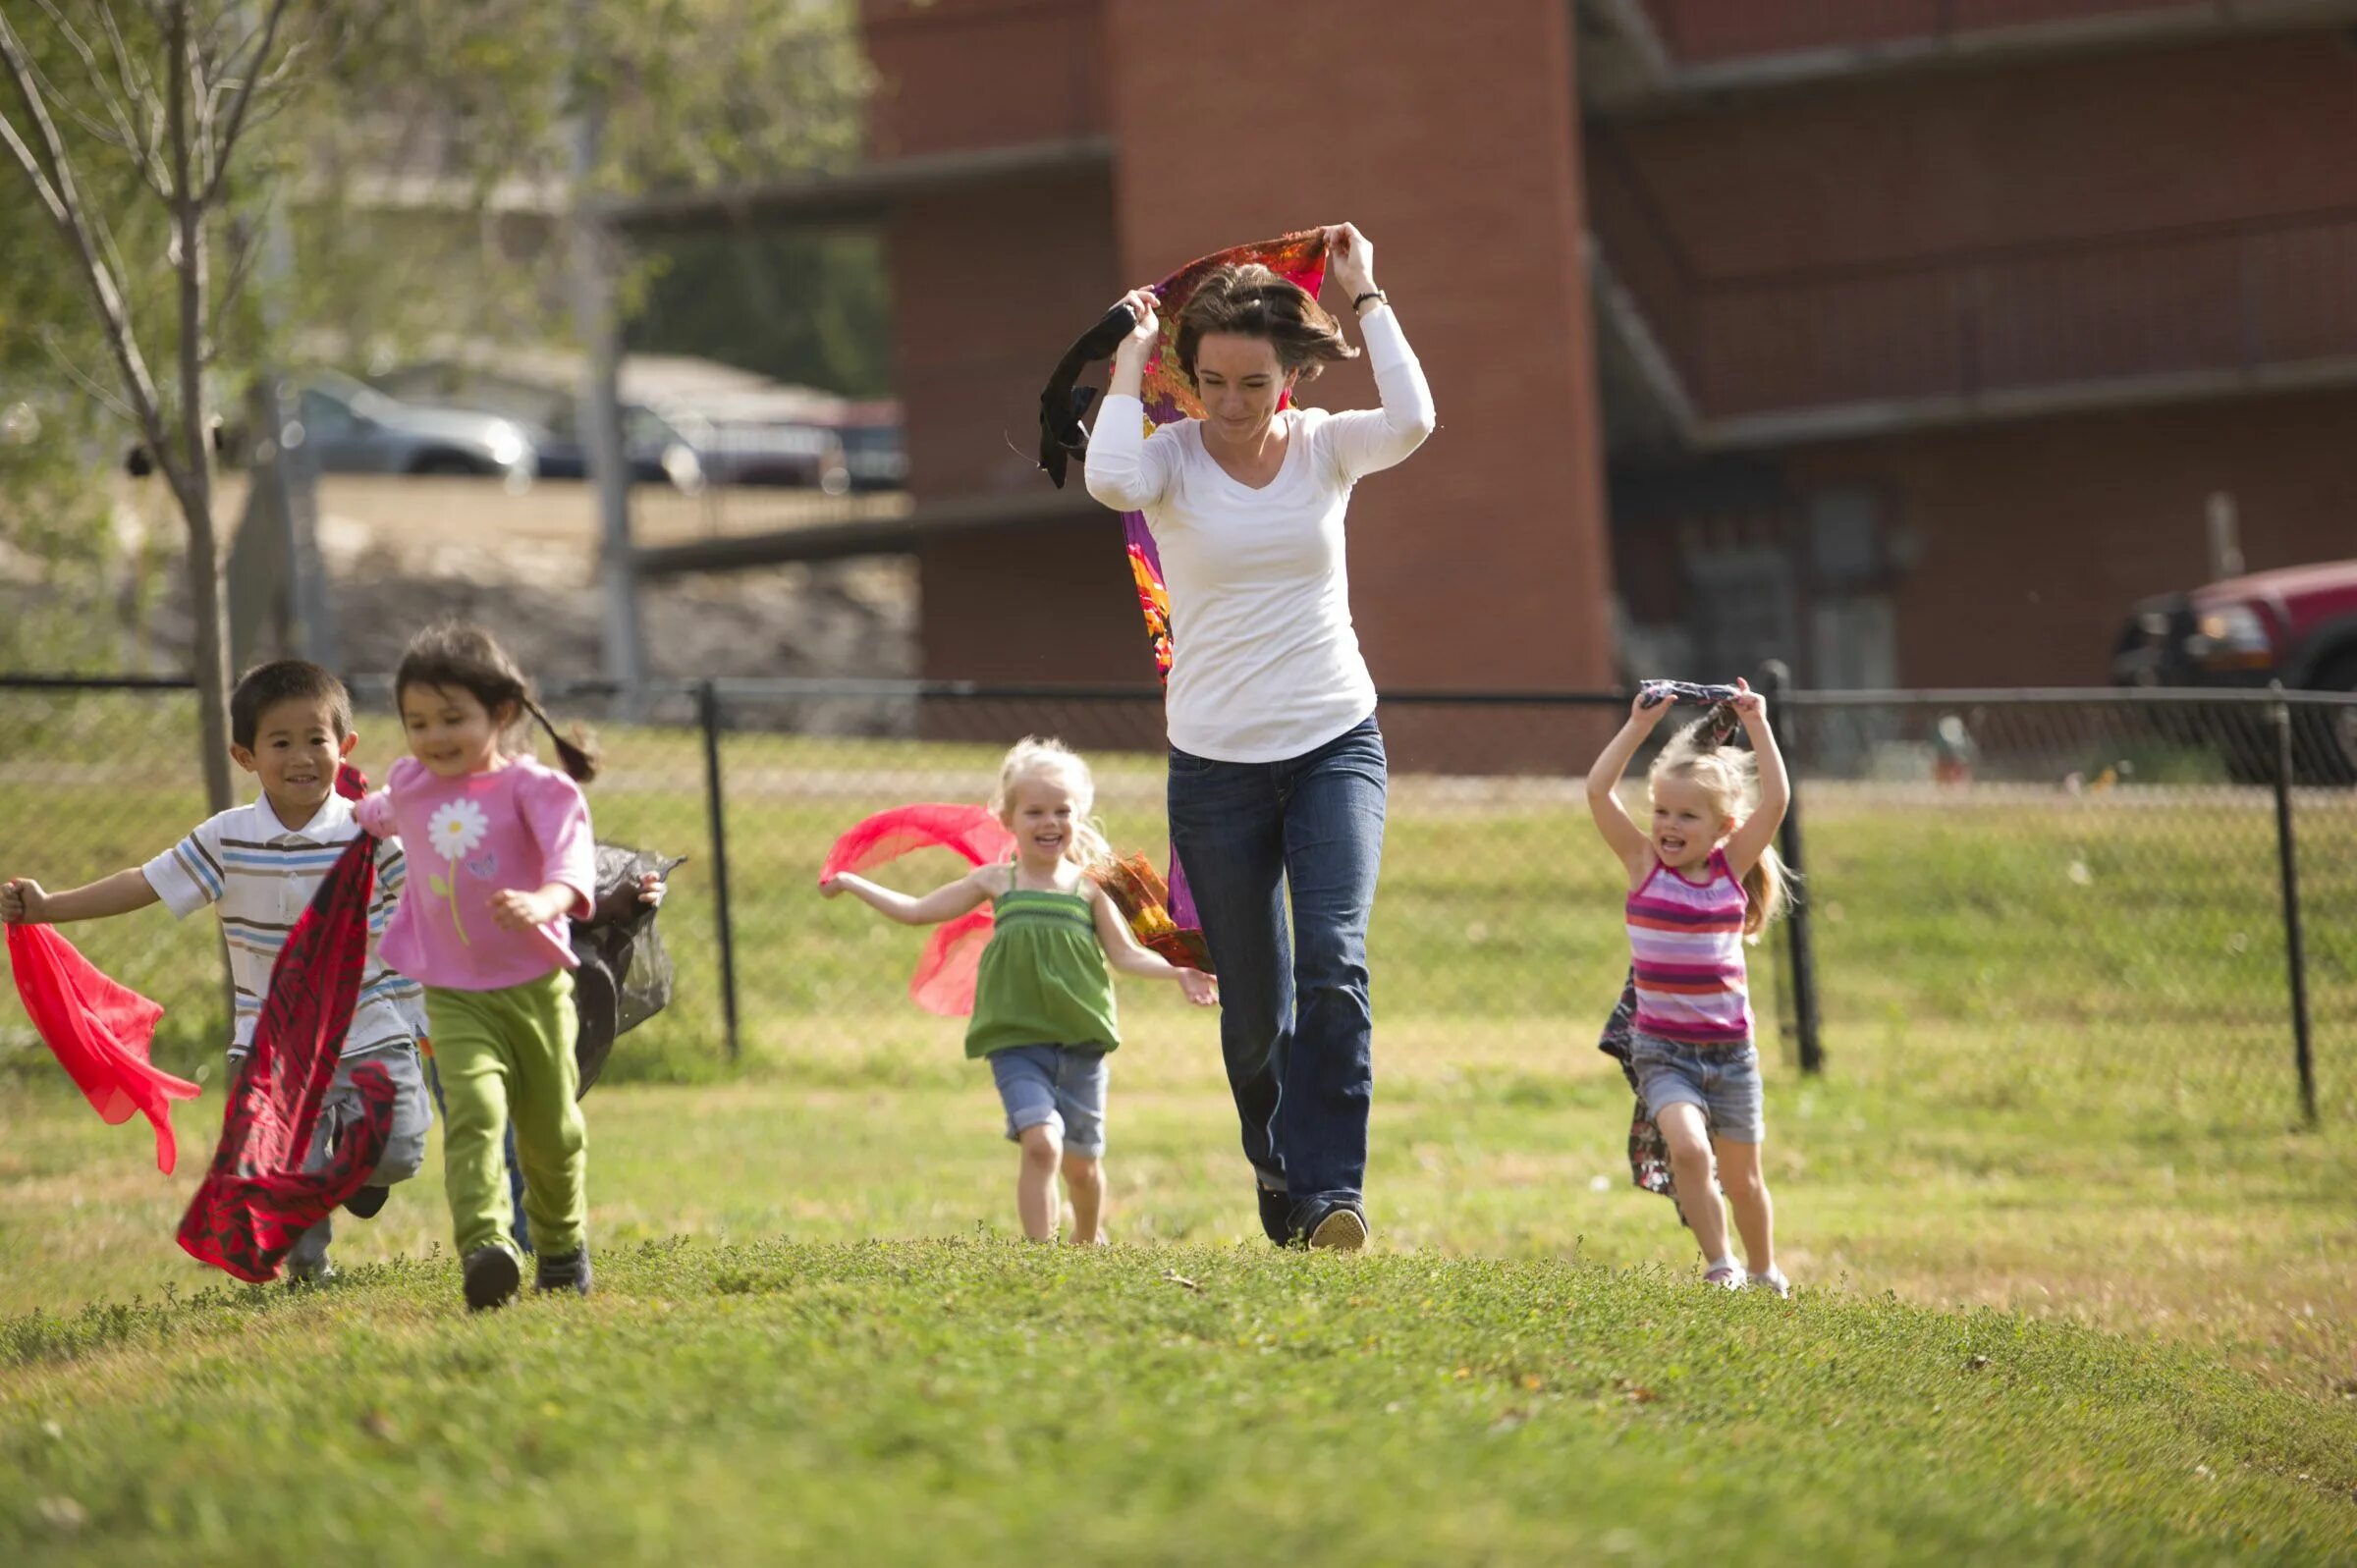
[[1275, 1214], [568, 1272], [1343, 1230], [491, 1278], [367, 1201]]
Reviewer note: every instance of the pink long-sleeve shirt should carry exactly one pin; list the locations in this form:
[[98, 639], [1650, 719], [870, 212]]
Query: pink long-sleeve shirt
[[522, 827]]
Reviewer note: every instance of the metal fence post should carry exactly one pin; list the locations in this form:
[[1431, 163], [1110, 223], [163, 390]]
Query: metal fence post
[[707, 712], [2287, 858], [1779, 680]]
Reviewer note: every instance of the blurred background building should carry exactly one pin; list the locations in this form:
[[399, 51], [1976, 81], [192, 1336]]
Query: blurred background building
[[1906, 340]]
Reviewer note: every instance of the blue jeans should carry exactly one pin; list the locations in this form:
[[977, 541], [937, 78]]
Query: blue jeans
[[1294, 1020]]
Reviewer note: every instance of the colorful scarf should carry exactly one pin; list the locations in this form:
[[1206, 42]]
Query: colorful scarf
[[944, 982], [258, 1200], [99, 1030], [1168, 396]]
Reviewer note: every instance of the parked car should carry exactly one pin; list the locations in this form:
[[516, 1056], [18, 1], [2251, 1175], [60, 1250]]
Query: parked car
[[353, 428], [874, 454], [2297, 626], [656, 451], [768, 452]]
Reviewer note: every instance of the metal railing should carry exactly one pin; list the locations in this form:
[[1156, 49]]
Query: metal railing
[[1712, 31], [2195, 304]]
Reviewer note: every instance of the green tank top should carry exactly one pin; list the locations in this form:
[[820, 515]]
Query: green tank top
[[1042, 980]]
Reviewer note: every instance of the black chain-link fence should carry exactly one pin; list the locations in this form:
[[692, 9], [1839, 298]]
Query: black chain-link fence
[[2053, 895], [2061, 905]]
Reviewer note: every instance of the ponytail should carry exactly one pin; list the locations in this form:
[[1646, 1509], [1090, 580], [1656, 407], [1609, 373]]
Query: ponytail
[[1767, 891], [577, 752]]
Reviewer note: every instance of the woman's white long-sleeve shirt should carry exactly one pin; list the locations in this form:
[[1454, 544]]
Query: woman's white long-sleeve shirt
[[1265, 664]]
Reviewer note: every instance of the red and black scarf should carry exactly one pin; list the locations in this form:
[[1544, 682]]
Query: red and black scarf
[[258, 1200]]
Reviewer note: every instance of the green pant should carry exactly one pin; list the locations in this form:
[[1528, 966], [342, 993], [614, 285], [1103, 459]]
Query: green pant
[[502, 1055]]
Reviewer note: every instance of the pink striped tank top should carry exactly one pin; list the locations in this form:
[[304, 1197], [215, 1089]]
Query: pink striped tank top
[[1686, 943]]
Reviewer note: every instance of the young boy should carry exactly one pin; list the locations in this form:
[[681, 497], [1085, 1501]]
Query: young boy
[[258, 866]]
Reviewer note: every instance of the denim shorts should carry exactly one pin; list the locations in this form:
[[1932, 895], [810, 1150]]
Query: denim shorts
[[1720, 1081], [1055, 1087]]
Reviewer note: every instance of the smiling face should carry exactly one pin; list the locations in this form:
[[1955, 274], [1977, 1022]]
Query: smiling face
[[295, 753], [1240, 382], [1686, 824], [450, 730], [1042, 813]]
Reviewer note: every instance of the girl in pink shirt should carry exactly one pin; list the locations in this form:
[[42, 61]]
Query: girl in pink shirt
[[500, 854]]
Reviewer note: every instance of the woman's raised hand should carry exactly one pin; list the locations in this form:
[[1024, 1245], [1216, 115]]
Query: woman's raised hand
[[1142, 305], [1352, 258]]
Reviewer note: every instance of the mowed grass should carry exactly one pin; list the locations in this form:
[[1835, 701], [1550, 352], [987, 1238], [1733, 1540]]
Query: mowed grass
[[976, 1400], [2057, 1131]]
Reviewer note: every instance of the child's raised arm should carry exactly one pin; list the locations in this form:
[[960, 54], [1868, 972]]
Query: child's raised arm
[[1125, 952], [24, 904], [968, 893], [1749, 843], [1621, 835]]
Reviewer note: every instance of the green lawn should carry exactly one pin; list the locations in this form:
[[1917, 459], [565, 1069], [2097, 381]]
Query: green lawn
[[2057, 1131], [981, 1402]]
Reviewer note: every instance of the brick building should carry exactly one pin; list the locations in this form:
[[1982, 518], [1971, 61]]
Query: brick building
[[1905, 340]]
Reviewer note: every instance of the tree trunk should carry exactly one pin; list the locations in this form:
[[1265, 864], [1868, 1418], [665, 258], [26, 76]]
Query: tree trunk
[[192, 478]]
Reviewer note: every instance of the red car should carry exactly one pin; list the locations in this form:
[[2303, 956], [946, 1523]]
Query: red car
[[2297, 626]]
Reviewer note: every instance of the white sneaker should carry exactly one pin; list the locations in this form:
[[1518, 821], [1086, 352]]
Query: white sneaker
[[1773, 1280], [1726, 1277]]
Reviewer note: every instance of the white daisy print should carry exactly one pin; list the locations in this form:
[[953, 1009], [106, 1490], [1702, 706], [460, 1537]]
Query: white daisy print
[[457, 828], [454, 829]]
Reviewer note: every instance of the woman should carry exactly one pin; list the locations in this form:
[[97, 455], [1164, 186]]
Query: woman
[[1277, 766]]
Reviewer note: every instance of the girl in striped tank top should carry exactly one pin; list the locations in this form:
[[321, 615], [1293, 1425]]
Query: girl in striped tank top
[[1702, 877]]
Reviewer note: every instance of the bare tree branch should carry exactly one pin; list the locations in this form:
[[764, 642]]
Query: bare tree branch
[[112, 400], [61, 197], [139, 92], [247, 241], [122, 136], [256, 76]]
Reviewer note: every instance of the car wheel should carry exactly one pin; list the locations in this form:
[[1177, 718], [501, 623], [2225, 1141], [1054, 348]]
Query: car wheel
[[446, 463]]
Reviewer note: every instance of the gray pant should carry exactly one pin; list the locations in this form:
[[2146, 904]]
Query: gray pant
[[405, 1149]]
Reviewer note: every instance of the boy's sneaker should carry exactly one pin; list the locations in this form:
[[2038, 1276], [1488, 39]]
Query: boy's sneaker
[[310, 1273], [1724, 1276], [1773, 1280], [1343, 1229], [491, 1278], [571, 1272], [367, 1201]]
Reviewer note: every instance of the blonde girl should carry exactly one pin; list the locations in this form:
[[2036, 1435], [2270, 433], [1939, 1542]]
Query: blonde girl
[[1044, 1014], [1702, 876]]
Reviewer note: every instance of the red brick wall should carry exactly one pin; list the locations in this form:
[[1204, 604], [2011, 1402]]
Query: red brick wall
[[955, 75], [1450, 136], [1886, 169], [2036, 537]]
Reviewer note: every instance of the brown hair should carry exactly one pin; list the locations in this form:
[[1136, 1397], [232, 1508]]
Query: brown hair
[[266, 686], [1252, 302], [453, 654]]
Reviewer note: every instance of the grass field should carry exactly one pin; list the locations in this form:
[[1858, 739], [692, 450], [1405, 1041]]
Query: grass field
[[2057, 1131]]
